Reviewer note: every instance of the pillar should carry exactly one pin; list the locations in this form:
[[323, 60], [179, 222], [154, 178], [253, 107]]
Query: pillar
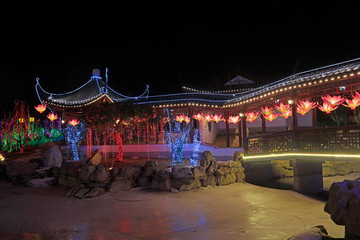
[[308, 176], [226, 115], [314, 117], [263, 124], [295, 138], [244, 134], [240, 136]]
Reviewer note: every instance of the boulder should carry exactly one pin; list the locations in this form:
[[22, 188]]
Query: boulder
[[96, 157], [208, 162], [100, 175], [343, 206], [20, 172], [183, 178], [314, 233], [94, 192], [238, 156], [161, 180], [41, 182], [52, 157], [121, 184]]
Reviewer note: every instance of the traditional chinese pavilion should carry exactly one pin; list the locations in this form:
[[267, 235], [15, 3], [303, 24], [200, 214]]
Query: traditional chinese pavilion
[[250, 119]]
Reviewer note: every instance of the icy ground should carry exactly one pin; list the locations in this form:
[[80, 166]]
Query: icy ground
[[236, 211]]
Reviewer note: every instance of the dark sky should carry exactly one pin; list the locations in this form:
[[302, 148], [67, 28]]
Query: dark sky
[[169, 46]]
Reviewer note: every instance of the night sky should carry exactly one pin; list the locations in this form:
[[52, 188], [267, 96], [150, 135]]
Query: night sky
[[169, 47]]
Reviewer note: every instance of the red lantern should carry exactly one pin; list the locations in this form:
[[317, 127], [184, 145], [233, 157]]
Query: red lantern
[[305, 106], [217, 118], [266, 111], [334, 101], [271, 117], [197, 116], [40, 108], [234, 119], [326, 107], [251, 116], [52, 116], [74, 122]]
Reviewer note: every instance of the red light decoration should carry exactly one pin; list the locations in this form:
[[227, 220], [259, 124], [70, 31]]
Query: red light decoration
[[304, 107], [252, 116], [180, 118], [198, 116], [354, 103], [271, 117], [217, 118], [74, 122], [284, 109], [187, 119], [326, 107], [52, 116], [234, 119], [208, 118], [266, 111], [333, 100], [40, 108]]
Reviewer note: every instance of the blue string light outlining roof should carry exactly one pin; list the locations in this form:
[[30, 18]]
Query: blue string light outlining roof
[[90, 92]]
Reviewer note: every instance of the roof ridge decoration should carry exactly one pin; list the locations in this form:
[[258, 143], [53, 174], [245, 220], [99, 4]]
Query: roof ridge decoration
[[91, 91]]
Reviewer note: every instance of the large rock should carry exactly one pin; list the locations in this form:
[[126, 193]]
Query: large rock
[[149, 170], [208, 162], [314, 233], [52, 156], [20, 172], [96, 157], [183, 178], [69, 174], [343, 206], [121, 184]]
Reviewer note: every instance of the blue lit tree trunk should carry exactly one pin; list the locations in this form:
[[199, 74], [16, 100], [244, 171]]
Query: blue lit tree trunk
[[73, 136]]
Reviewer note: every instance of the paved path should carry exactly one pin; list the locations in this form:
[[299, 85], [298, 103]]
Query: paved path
[[237, 211]]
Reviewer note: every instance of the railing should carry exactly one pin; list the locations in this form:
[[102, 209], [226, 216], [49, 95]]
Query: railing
[[339, 139]]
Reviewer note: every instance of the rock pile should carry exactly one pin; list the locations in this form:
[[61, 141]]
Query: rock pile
[[89, 178], [343, 206]]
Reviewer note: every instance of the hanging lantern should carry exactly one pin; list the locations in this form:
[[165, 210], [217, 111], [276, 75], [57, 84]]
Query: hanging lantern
[[304, 107], [217, 118], [198, 116], [333, 100], [355, 102], [31, 119], [286, 114], [52, 116], [352, 104], [284, 109], [208, 118], [180, 118], [74, 122], [187, 119], [40, 108], [252, 116], [21, 120], [326, 107], [234, 119], [271, 117], [266, 111]]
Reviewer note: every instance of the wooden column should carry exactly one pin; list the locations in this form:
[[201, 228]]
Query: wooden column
[[191, 133], [244, 134], [263, 124], [226, 115], [314, 117], [240, 131], [295, 126]]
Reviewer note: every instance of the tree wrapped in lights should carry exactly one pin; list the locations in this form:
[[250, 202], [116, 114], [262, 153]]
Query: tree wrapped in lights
[[175, 136], [73, 136]]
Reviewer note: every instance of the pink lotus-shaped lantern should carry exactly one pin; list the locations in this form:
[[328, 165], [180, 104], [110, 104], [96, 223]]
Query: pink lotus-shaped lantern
[[267, 111], [198, 116], [217, 118], [284, 109], [326, 107], [234, 119], [208, 118], [40, 108], [52, 116], [186, 119], [333, 100], [252, 116], [305, 106], [270, 117], [180, 118], [74, 122], [355, 102]]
